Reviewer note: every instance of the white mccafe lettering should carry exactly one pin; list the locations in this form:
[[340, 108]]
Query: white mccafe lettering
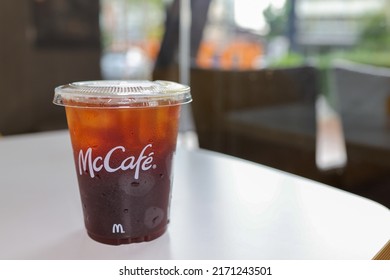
[[87, 163]]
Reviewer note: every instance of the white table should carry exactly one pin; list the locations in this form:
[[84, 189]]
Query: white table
[[222, 208]]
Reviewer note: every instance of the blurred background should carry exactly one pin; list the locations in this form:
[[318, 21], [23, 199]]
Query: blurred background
[[298, 85]]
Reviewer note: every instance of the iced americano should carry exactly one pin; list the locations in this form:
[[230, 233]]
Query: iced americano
[[123, 135]]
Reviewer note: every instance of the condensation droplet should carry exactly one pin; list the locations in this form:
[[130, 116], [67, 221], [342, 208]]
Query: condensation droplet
[[153, 217]]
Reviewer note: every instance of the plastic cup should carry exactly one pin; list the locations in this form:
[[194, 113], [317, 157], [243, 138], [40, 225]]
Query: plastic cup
[[123, 136]]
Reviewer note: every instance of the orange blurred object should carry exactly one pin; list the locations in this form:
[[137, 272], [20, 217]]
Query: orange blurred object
[[236, 55]]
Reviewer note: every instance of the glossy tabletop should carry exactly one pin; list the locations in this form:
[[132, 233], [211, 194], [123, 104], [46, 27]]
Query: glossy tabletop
[[222, 208]]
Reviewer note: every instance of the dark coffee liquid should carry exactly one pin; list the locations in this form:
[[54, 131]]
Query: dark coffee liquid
[[123, 161], [120, 209]]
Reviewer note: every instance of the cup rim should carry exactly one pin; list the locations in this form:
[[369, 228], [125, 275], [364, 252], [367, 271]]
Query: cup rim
[[121, 94]]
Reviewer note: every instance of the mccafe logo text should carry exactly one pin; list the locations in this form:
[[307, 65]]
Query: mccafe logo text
[[89, 163]]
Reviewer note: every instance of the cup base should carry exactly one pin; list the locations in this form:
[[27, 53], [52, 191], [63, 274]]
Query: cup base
[[120, 241]]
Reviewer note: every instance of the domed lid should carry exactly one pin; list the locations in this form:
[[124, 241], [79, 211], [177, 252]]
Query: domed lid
[[124, 94]]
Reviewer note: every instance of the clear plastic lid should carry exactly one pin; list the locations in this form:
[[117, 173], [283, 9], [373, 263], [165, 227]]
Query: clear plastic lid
[[114, 94]]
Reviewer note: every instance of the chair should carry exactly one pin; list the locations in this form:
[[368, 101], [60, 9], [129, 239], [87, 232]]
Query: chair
[[363, 98], [267, 116], [32, 66]]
